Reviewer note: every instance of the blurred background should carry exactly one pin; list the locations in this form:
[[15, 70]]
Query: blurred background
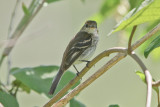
[[46, 37]]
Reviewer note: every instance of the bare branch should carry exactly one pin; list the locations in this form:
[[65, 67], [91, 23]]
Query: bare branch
[[146, 37], [9, 35], [148, 78], [120, 56], [83, 72], [21, 27], [13, 18], [156, 83], [4, 87], [91, 79], [130, 39]]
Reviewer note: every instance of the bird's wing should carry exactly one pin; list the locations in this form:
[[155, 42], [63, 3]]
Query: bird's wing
[[76, 47]]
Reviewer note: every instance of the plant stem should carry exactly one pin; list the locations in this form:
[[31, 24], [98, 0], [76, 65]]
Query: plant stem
[[130, 39], [34, 8], [147, 76], [9, 35]]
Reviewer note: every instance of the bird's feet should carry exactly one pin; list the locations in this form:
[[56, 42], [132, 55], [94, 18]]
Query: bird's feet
[[76, 70], [87, 65]]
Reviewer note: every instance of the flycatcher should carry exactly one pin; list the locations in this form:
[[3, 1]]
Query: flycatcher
[[79, 49]]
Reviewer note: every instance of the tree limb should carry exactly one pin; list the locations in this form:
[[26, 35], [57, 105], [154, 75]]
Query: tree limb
[[34, 9], [64, 100], [134, 46], [148, 78], [83, 72]]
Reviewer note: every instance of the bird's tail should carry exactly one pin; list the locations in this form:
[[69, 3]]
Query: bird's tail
[[56, 81]]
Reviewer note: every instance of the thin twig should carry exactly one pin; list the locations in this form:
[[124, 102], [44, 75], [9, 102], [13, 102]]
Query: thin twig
[[83, 72], [9, 64], [15, 93], [146, 37], [9, 35], [1, 60], [13, 19], [158, 98], [130, 40], [156, 83], [148, 78], [4, 87], [20, 29]]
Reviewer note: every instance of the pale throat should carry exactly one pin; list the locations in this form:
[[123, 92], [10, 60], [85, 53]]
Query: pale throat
[[91, 30]]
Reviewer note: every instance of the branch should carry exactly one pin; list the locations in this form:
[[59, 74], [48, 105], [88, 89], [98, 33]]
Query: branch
[[130, 39], [134, 46], [156, 83], [9, 35], [34, 8], [91, 79], [13, 19], [120, 56], [83, 72], [146, 37], [4, 87], [148, 78]]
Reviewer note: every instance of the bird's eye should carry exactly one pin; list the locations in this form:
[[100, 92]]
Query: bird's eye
[[87, 25]]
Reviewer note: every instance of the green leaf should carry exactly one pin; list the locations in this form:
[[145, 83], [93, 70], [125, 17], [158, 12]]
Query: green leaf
[[142, 76], [8, 100], [106, 8], [40, 78], [51, 1], [114, 105], [76, 103], [17, 83], [135, 3], [25, 9], [147, 11], [155, 54], [154, 44]]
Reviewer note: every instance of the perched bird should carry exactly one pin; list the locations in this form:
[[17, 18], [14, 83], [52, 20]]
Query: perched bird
[[79, 49]]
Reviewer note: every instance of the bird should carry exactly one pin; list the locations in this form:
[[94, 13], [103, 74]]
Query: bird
[[79, 49]]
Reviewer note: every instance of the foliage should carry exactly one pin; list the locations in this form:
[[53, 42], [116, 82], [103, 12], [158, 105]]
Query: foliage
[[19, 84], [142, 77], [51, 1], [114, 105], [40, 78], [147, 11], [8, 100], [154, 44]]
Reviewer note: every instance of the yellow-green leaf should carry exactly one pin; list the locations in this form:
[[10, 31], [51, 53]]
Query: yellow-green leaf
[[153, 45], [149, 10], [142, 76], [25, 9]]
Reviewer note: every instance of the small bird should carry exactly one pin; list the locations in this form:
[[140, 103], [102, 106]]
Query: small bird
[[79, 49]]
